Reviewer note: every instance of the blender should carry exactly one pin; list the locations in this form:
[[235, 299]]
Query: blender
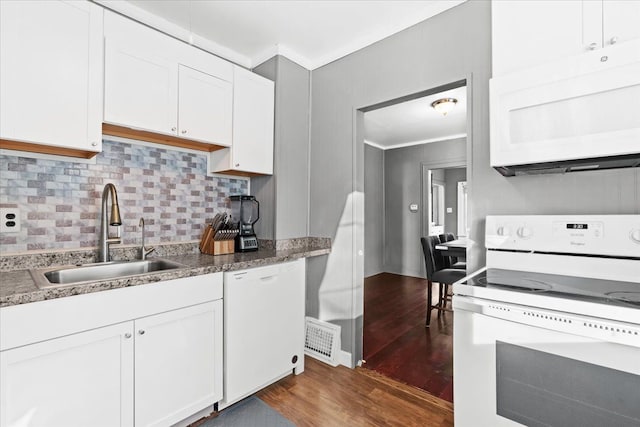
[[246, 210]]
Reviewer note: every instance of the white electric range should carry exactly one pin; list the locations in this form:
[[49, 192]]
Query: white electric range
[[548, 333]]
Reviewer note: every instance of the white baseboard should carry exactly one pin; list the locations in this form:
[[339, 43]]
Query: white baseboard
[[345, 359]]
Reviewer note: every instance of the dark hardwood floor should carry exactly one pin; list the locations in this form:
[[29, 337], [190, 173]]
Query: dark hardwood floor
[[323, 396], [396, 342]]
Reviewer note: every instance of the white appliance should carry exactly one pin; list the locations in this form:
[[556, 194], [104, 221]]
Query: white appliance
[[263, 327], [575, 114], [548, 333]]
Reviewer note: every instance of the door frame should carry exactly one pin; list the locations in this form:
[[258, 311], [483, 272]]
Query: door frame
[[357, 252]]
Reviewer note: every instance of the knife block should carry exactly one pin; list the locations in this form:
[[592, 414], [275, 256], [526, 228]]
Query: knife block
[[211, 245]]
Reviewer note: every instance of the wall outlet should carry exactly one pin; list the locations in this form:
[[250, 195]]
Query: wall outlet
[[449, 210], [9, 220]]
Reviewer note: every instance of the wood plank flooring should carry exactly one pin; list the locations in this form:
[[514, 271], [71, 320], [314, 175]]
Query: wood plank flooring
[[323, 396], [396, 342]]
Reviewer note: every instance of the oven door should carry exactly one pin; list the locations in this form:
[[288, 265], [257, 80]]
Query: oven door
[[508, 373]]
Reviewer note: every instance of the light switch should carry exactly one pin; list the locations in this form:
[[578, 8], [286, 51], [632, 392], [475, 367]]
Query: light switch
[[449, 210]]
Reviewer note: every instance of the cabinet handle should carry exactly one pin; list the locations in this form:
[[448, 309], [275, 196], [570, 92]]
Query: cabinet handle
[[127, 335], [184, 131], [592, 46], [141, 331], [613, 40], [173, 129], [237, 165]]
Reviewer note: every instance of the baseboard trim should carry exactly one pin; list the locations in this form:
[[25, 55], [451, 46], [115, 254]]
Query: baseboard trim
[[345, 359]]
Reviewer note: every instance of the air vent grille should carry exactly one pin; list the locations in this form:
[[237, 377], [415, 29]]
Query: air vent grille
[[322, 341]]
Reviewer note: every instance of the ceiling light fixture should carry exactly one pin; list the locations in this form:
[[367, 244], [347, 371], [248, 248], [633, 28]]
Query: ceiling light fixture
[[444, 105]]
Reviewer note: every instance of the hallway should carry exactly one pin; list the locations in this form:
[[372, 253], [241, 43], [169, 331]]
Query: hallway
[[396, 342]]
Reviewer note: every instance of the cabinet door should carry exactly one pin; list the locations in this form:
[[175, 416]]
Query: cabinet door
[[205, 107], [621, 20], [532, 32], [253, 106], [84, 379], [178, 363], [51, 73], [141, 87]]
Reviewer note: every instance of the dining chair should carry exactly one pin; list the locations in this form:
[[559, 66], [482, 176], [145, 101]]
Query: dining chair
[[452, 262], [439, 273]]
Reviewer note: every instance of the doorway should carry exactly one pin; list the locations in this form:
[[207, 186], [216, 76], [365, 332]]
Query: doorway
[[411, 178], [445, 198]]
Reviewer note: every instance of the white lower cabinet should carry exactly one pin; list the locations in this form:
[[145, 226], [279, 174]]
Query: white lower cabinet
[[178, 357], [159, 366], [84, 379]]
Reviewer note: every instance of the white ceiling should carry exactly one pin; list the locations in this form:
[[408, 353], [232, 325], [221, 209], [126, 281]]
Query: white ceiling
[[311, 33], [416, 122]]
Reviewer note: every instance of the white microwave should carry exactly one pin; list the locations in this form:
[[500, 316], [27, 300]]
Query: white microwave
[[579, 113]]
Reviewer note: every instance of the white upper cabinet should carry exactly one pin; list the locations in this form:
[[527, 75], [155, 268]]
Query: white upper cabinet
[[51, 56], [157, 84], [620, 21], [204, 106], [253, 121], [527, 33], [141, 88]]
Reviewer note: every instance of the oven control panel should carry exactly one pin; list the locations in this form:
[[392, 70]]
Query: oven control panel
[[582, 230], [610, 235]]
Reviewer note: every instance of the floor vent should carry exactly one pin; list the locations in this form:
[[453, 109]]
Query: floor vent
[[322, 341]]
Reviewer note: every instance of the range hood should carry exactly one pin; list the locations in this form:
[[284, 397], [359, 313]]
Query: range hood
[[576, 165]]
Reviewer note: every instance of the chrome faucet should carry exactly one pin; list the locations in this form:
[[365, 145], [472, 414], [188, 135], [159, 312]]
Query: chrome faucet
[[144, 251], [115, 220]]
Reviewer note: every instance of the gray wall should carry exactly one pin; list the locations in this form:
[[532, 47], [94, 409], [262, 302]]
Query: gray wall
[[284, 197], [404, 185], [452, 177], [430, 54], [374, 194], [427, 55]]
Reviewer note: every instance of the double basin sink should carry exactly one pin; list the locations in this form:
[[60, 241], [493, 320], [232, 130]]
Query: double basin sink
[[53, 277]]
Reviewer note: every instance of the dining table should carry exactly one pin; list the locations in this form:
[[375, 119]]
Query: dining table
[[454, 248]]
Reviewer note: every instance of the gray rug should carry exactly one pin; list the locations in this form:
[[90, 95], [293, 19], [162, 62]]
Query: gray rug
[[251, 412]]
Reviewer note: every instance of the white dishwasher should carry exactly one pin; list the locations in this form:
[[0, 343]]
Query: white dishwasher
[[263, 327]]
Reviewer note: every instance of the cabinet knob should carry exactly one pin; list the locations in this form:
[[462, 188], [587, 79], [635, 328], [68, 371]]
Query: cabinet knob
[[127, 335], [184, 131], [237, 165], [141, 331], [592, 46], [94, 144], [613, 40], [173, 129]]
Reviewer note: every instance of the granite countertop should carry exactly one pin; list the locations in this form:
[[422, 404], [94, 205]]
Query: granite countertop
[[18, 287]]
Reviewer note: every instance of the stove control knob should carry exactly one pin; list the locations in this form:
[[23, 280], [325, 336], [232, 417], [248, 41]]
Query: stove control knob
[[503, 231], [524, 232], [635, 236]]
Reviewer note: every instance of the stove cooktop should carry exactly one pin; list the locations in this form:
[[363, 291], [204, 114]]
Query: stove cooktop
[[615, 293]]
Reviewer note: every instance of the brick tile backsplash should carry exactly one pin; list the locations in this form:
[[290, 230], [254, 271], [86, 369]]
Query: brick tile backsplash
[[60, 201]]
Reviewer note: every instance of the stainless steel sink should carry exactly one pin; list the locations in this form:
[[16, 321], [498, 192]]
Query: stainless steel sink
[[68, 275]]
